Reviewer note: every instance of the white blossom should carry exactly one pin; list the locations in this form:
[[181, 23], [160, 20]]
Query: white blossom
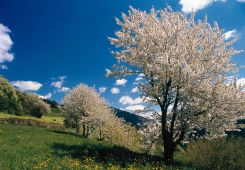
[[186, 66], [94, 116]]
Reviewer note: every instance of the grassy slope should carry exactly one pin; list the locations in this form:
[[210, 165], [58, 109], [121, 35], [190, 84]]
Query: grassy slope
[[28, 147], [52, 117]]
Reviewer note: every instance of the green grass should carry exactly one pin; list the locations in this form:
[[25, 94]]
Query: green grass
[[55, 112], [52, 117], [30, 147]]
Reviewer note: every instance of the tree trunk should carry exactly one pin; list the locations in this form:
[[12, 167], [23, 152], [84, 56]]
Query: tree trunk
[[169, 147], [77, 127], [101, 138], [84, 130]]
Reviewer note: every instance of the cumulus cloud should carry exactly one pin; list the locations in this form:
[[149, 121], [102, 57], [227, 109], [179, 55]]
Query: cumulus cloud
[[5, 46], [134, 90], [230, 34], [47, 96], [121, 82], [115, 90], [102, 89], [58, 84], [128, 100], [189, 5], [135, 107], [26, 85]]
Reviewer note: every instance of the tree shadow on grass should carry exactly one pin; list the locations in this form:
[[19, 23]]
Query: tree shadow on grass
[[66, 133], [61, 132], [104, 154]]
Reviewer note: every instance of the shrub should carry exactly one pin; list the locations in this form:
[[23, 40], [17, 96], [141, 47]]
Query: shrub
[[14, 107], [33, 105], [3, 103], [220, 153]]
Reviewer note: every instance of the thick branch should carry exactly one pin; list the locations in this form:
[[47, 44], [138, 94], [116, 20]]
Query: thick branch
[[164, 106], [182, 135], [174, 111]]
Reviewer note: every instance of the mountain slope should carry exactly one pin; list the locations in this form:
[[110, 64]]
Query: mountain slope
[[129, 117]]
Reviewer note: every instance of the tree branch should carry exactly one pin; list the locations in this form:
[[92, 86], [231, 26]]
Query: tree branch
[[174, 111]]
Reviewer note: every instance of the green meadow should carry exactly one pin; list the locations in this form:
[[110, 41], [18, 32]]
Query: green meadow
[[52, 117], [30, 147]]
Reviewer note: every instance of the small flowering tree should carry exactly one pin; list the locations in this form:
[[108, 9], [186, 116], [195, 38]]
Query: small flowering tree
[[80, 104], [186, 67], [150, 133], [94, 115]]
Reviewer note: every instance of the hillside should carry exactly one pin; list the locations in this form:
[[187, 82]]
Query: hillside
[[25, 147], [130, 117]]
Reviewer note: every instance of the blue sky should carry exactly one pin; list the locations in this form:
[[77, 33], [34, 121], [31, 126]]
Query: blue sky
[[50, 46]]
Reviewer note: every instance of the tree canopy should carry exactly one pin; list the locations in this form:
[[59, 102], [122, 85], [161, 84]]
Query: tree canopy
[[187, 70], [94, 116], [52, 103], [8, 98]]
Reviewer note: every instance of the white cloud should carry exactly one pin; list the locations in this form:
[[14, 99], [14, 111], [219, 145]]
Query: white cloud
[[230, 34], [129, 100], [240, 0], [3, 66], [189, 5], [121, 82], [58, 84], [5, 45], [102, 89], [47, 96], [115, 90], [135, 107], [241, 81], [141, 75], [134, 90], [63, 89], [26, 85], [62, 78], [138, 78]]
